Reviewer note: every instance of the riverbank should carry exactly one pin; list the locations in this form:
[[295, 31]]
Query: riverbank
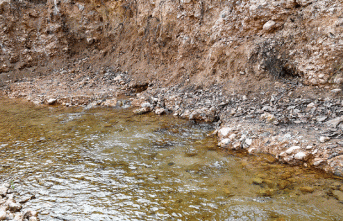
[[297, 124], [11, 205]]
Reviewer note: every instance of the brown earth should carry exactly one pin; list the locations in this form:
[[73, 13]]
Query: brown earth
[[267, 66]]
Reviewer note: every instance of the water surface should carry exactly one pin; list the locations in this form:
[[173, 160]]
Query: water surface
[[108, 164]]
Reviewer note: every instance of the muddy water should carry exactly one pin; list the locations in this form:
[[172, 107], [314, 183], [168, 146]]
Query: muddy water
[[106, 164]]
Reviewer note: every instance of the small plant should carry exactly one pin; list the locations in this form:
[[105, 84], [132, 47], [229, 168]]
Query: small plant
[[12, 184]]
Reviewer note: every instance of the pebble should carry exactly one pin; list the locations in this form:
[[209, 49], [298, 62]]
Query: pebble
[[300, 156], [306, 189], [269, 25], [292, 149], [52, 101], [3, 190], [323, 139], [2, 215]]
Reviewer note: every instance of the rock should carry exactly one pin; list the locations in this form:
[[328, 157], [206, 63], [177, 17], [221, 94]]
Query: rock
[[160, 111], [110, 102], [334, 122], [90, 41], [30, 213], [224, 142], [248, 141], [338, 195], [33, 218], [14, 207], [147, 106], [52, 101], [223, 132], [309, 147], [267, 192], [3, 190], [270, 25], [301, 156], [291, 149], [323, 139], [257, 181], [321, 118], [306, 189], [18, 217], [2, 215], [252, 150], [336, 91], [141, 110]]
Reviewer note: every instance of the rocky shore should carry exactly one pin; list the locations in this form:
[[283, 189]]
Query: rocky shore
[[297, 124], [11, 205]]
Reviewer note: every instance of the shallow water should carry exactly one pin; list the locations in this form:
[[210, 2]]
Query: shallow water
[[107, 164]]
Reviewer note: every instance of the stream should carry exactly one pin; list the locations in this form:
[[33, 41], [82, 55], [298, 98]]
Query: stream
[[108, 164]]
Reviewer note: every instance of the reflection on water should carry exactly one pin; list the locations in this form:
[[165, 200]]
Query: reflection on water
[[107, 164]]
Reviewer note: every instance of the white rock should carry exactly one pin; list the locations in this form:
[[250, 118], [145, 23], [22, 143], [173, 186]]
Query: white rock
[[14, 206], [308, 147], [300, 156], [224, 131], [336, 91], [248, 141], [224, 142], [292, 149], [252, 150], [3, 190], [323, 139], [2, 215], [147, 105], [160, 111], [269, 25], [52, 101]]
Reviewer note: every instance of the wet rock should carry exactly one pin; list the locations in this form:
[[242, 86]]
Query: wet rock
[[267, 192], [257, 181], [110, 102], [338, 195], [224, 143], [283, 184], [306, 189]]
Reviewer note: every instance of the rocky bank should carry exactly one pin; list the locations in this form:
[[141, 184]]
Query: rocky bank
[[11, 205], [268, 73]]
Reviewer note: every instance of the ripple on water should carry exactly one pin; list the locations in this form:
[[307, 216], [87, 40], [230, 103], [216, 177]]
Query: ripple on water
[[107, 164]]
